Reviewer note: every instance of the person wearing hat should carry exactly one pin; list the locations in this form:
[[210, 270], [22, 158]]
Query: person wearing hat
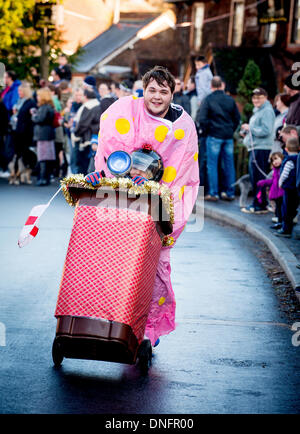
[[292, 88], [258, 138], [126, 88], [89, 83]]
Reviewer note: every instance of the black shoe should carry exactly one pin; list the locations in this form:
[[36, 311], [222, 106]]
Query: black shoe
[[276, 226], [283, 233]]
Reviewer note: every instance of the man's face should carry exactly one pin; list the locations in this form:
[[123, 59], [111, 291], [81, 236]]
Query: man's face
[[177, 85], [78, 96], [62, 60], [199, 64], [285, 136], [258, 100], [157, 98], [190, 85], [103, 90], [289, 91], [7, 80]]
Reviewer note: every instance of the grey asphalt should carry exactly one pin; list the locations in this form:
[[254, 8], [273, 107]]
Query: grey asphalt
[[231, 352], [285, 250]]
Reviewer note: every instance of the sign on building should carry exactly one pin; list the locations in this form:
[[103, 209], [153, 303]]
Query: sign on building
[[273, 11]]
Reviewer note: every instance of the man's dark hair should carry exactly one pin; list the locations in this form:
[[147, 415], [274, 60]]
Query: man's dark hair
[[12, 75], [63, 85], [89, 94], [200, 58], [288, 128], [285, 99], [216, 82], [160, 75], [54, 89]]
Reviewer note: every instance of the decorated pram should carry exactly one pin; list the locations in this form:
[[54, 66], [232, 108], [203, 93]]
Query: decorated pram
[[109, 271]]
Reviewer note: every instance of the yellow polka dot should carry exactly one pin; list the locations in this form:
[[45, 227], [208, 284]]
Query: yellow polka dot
[[196, 156], [161, 300], [99, 135], [135, 97], [179, 134], [104, 116], [169, 174], [160, 133], [181, 192], [122, 125]]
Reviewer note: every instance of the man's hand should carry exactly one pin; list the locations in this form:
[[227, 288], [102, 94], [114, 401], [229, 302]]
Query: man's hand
[[245, 127], [139, 180], [94, 178]]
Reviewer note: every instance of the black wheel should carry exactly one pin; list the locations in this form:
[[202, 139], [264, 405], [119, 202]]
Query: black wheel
[[144, 356], [57, 353]]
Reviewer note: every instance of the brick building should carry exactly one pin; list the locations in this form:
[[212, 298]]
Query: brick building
[[230, 32]]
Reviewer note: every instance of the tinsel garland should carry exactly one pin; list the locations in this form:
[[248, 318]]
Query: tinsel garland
[[121, 183], [167, 240]]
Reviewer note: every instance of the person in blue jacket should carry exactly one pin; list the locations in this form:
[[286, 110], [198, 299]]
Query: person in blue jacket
[[258, 138], [10, 94]]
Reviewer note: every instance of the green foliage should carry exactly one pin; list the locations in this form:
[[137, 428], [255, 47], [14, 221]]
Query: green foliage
[[12, 13], [250, 80], [20, 40], [230, 66]]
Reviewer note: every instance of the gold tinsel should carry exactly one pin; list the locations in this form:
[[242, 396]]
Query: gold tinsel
[[123, 184], [167, 240]]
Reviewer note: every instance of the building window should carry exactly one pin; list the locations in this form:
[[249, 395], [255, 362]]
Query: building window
[[237, 23], [199, 17], [296, 23], [270, 31]]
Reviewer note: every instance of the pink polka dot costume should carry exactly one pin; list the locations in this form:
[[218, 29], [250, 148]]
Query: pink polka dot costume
[[127, 126]]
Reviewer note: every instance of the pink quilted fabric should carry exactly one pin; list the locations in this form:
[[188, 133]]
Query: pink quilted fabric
[[112, 278]]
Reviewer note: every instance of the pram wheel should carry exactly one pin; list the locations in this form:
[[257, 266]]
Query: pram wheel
[[57, 353], [144, 356]]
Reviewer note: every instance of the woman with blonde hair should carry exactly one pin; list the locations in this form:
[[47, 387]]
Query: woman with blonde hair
[[44, 134]]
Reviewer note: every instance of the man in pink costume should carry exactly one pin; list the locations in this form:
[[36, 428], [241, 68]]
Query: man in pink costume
[[129, 124]]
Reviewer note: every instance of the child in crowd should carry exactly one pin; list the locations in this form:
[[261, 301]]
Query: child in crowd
[[275, 193], [287, 182]]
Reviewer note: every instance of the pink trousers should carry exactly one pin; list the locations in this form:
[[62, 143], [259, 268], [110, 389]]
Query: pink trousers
[[161, 318]]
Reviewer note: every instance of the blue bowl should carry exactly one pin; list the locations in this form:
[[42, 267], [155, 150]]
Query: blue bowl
[[119, 163]]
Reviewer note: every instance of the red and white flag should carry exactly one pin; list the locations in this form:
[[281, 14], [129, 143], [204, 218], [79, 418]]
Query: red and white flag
[[30, 229]]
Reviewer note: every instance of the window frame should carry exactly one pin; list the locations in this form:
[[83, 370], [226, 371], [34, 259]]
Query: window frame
[[232, 22]]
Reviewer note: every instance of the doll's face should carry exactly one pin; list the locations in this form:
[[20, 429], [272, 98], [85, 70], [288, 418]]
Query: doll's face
[[136, 172]]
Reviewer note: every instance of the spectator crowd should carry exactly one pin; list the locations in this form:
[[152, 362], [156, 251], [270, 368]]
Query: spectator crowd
[[271, 137], [50, 129]]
